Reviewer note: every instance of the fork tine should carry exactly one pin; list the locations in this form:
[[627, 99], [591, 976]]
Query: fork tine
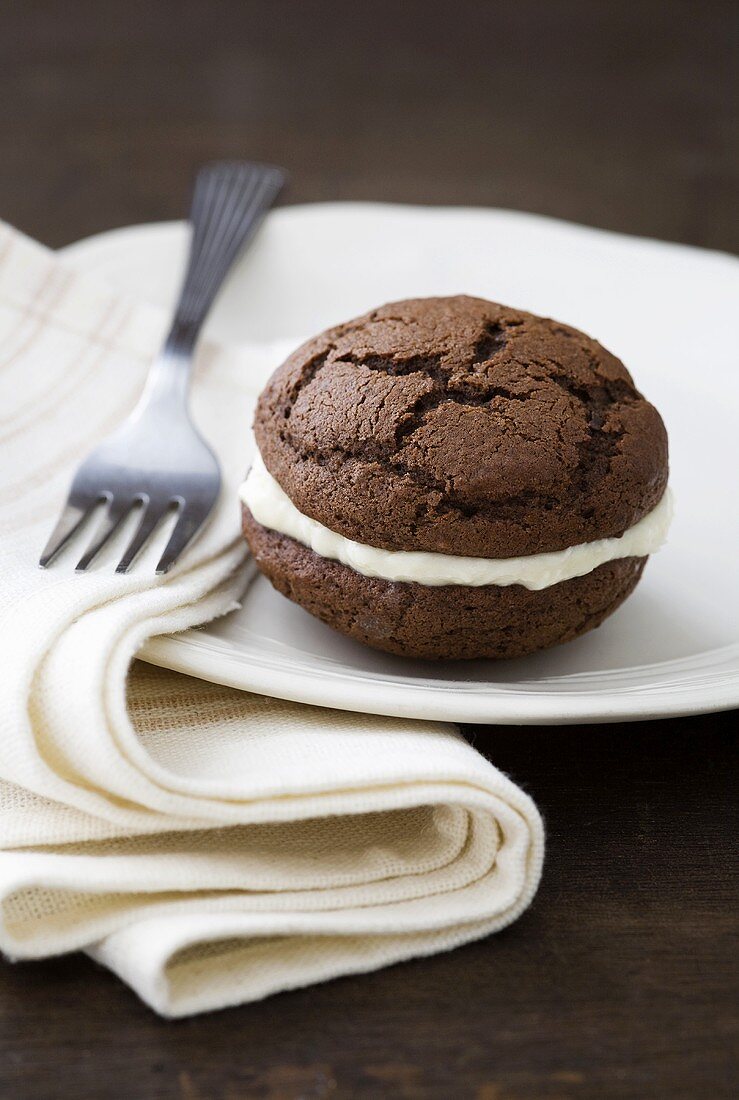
[[189, 522], [72, 517], [149, 520], [117, 512]]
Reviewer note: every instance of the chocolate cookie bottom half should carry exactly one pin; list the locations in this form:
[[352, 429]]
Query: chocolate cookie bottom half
[[440, 622]]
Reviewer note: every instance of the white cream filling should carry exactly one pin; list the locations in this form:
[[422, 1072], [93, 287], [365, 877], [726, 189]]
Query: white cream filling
[[272, 508]]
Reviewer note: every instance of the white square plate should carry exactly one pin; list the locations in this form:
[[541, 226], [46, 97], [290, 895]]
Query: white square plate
[[668, 311]]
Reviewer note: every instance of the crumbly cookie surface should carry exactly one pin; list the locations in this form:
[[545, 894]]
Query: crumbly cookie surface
[[461, 426]]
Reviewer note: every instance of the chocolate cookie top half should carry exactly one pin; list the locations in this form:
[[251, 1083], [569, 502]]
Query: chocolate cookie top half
[[461, 426]]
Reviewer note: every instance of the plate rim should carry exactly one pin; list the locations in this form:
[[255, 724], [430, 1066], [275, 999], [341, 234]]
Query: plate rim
[[218, 663], [400, 697]]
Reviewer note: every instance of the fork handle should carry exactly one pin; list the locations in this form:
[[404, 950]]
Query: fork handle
[[229, 202]]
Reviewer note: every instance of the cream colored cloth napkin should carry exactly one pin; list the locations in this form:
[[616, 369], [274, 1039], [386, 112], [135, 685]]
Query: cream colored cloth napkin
[[208, 845]]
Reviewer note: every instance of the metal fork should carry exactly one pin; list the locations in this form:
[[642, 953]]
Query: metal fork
[[157, 459]]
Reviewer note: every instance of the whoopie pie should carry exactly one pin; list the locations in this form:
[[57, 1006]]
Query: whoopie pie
[[454, 478]]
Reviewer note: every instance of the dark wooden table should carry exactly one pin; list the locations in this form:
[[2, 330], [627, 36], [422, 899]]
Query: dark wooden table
[[621, 980]]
